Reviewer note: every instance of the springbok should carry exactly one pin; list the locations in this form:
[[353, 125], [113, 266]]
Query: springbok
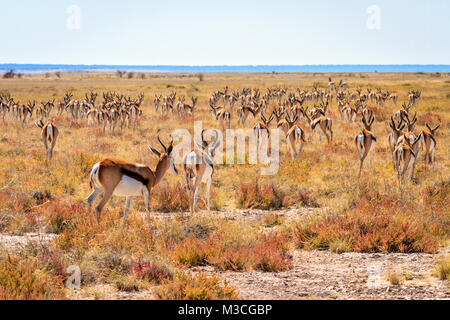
[[198, 168], [403, 112], [128, 179], [365, 142], [261, 127], [414, 97], [243, 113], [405, 158], [321, 124], [49, 134], [157, 101], [395, 135], [331, 85], [187, 107], [294, 135], [223, 117], [429, 143]]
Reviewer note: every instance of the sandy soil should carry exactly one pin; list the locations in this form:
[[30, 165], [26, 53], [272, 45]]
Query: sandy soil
[[326, 275], [315, 275]]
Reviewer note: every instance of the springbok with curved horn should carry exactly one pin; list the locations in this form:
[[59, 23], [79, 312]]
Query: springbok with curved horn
[[321, 124], [429, 143], [261, 127], [294, 135], [157, 101], [365, 142], [395, 135], [198, 168], [405, 158], [49, 134], [128, 179]]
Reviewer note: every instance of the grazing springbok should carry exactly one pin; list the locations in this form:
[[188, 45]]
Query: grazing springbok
[[198, 168], [128, 179], [295, 135], [49, 134], [429, 143], [365, 142]]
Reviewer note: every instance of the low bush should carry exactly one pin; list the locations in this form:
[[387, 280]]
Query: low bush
[[380, 225], [27, 279], [195, 287]]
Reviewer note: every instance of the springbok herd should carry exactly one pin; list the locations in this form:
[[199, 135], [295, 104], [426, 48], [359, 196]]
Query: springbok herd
[[289, 110]]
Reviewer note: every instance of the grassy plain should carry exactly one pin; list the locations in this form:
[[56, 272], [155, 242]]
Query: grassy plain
[[372, 214]]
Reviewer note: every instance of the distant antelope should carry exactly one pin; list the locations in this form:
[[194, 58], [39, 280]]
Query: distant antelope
[[343, 85], [412, 141], [429, 143], [395, 135], [321, 124], [331, 85], [26, 111], [349, 112], [405, 158], [157, 101], [49, 134], [128, 179], [365, 142], [223, 117], [393, 98], [414, 97], [41, 112], [198, 168], [62, 104], [261, 127], [189, 108], [404, 111], [243, 113], [295, 135]]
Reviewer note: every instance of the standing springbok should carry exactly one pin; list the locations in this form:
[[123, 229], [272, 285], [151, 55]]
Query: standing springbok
[[128, 179], [321, 124], [262, 127], [49, 134], [429, 143], [405, 157], [294, 135], [198, 166], [365, 142], [395, 135]]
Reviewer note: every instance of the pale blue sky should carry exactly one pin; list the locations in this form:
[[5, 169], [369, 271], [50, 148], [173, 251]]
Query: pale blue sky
[[225, 32]]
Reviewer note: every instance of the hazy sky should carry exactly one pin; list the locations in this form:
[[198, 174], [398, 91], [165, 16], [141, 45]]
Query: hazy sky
[[225, 32]]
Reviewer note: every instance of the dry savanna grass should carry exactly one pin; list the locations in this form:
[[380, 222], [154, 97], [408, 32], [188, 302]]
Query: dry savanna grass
[[371, 214]]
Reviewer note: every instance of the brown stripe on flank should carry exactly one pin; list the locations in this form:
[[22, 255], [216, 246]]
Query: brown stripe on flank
[[134, 175]]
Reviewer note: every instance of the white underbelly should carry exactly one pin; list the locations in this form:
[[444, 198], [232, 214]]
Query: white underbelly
[[128, 187], [207, 175]]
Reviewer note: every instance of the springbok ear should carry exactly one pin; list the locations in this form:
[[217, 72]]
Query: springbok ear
[[169, 149], [437, 127], [154, 151]]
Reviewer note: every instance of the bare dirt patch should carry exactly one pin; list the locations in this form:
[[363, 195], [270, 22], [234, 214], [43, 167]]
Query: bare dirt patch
[[326, 275], [13, 243]]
